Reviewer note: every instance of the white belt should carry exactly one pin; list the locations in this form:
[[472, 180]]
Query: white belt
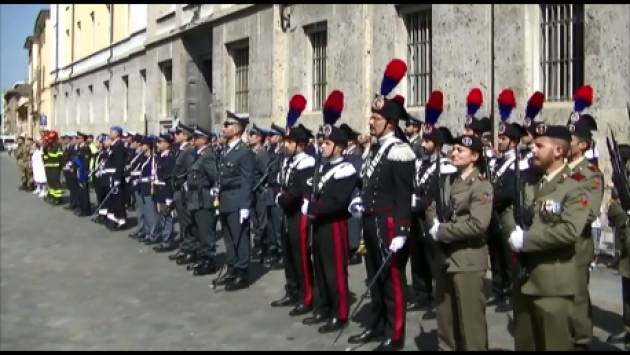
[[135, 173], [109, 171], [158, 182]]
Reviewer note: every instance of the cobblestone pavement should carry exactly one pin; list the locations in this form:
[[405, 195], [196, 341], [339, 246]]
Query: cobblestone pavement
[[69, 284]]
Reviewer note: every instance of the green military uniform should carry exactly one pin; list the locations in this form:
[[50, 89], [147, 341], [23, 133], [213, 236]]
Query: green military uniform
[[544, 297], [620, 220], [461, 311], [22, 155], [581, 319]]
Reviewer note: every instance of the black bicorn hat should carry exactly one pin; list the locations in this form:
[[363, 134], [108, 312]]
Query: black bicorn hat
[[473, 143], [335, 134], [300, 134], [202, 132], [478, 125], [582, 126], [389, 108], [350, 133], [553, 131], [277, 130], [438, 135], [513, 131], [233, 118]]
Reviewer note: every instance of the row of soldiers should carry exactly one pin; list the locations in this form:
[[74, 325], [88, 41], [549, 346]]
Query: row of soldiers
[[527, 207]]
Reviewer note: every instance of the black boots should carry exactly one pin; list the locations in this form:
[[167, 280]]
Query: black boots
[[239, 282]]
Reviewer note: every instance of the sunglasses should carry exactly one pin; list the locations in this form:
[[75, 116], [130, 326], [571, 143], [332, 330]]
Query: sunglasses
[[228, 124]]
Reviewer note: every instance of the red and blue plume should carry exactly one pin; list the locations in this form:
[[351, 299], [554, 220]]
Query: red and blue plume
[[394, 72], [400, 99], [333, 107], [474, 101], [296, 106], [534, 104], [583, 98], [507, 102], [434, 107]]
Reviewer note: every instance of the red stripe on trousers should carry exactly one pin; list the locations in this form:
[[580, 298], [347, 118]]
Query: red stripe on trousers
[[399, 321], [306, 262], [339, 246], [346, 247]]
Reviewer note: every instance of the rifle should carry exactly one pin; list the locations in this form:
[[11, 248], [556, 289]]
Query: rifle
[[619, 177], [519, 210], [152, 157]]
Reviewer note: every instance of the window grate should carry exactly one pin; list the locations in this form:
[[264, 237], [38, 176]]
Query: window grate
[[418, 57], [241, 87], [319, 43], [562, 50]]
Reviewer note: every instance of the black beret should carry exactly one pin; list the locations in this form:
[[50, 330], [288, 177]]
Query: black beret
[[471, 142], [552, 131]]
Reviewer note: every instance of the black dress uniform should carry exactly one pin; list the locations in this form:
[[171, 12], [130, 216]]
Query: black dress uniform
[[165, 163], [263, 230], [297, 263], [101, 184], [114, 171], [203, 179], [354, 155], [275, 165], [81, 162], [69, 176], [386, 190], [185, 156], [134, 173], [149, 212], [236, 171], [329, 216]]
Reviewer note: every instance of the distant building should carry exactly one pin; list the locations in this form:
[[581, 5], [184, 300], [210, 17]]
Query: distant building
[[16, 108]]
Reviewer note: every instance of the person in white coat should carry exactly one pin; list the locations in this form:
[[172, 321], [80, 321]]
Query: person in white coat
[[39, 173]]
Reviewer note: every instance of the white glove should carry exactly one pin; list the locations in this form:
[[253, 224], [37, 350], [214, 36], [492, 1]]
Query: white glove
[[277, 197], [116, 182], [434, 229], [517, 237], [168, 201], [214, 191], [305, 207], [244, 215], [414, 198], [356, 207], [397, 243]]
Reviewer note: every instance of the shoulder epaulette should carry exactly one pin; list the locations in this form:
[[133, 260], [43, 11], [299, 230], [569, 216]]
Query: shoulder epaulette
[[401, 152], [346, 169], [306, 162]]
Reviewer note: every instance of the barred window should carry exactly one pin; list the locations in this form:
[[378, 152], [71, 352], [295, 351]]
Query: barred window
[[241, 87], [562, 50], [319, 42], [167, 88], [418, 57]]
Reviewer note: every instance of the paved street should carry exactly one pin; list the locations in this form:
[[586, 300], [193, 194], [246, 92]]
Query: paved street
[[69, 284]]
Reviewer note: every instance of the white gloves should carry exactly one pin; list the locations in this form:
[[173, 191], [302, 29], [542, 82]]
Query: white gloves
[[277, 197], [244, 215], [214, 191], [414, 200], [397, 243], [517, 237], [116, 182], [434, 229], [305, 207], [168, 201], [356, 207]]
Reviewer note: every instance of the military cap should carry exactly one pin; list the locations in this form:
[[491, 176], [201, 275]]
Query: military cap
[[202, 132], [582, 125], [334, 134], [299, 133], [117, 129], [180, 127], [411, 120], [471, 142], [257, 131], [390, 109], [513, 131], [478, 125], [277, 130], [137, 138], [350, 133], [166, 137], [553, 131], [82, 135], [231, 117]]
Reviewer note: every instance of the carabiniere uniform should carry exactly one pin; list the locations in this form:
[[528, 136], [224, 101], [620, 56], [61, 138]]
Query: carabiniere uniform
[[114, 170], [386, 189], [329, 215]]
